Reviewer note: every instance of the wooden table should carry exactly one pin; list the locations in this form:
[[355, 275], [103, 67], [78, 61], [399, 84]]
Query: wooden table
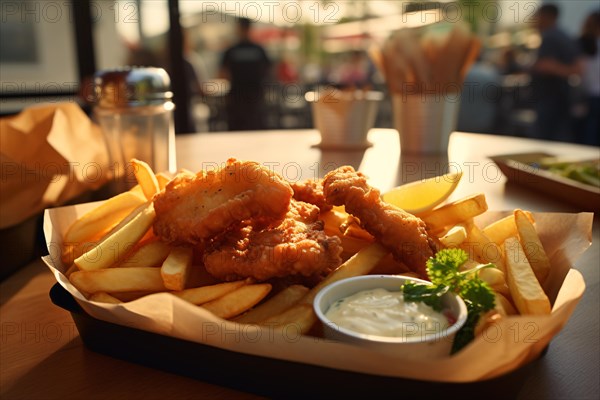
[[42, 355]]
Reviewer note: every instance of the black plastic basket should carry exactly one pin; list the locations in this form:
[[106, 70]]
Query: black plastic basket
[[262, 375]]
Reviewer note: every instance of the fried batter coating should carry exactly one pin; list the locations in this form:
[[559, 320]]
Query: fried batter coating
[[402, 233], [297, 246], [195, 208], [311, 191]]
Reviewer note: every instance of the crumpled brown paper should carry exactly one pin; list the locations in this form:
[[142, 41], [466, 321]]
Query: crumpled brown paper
[[513, 342], [49, 155]]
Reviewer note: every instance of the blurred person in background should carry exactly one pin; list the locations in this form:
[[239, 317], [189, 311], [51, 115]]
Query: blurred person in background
[[589, 43], [557, 60], [246, 66], [286, 71]]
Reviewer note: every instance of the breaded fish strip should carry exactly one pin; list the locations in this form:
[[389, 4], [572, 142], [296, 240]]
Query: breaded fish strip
[[296, 247], [194, 208], [311, 191], [402, 233]]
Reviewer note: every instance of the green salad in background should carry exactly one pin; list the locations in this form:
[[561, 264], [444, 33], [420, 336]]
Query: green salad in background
[[587, 172]]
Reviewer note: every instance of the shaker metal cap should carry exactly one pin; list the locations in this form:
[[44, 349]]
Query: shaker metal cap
[[132, 86]]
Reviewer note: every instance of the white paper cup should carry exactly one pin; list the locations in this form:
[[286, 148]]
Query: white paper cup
[[425, 121], [344, 121]]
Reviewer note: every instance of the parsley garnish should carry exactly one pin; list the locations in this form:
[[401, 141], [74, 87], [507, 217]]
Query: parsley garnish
[[445, 274]]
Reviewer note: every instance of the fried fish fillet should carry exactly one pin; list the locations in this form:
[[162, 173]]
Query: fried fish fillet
[[402, 233], [311, 191], [193, 208], [297, 246]]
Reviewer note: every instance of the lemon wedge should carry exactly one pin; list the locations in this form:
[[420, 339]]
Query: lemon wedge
[[418, 197]]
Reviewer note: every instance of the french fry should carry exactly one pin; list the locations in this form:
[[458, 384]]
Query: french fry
[[538, 259], [146, 178], [70, 270], [527, 294], [238, 301], [204, 294], [481, 248], [175, 268], [301, 316], [102, 218], [359, 264], [118, 280], [103, 297], [149, 254], [351, 228], [162, 180], [503, 305], [352, 245], [504, 228], [277, 304], [496, 279], [115, 246], [333, 221], [455, 212], [74, 250], [454, 236]]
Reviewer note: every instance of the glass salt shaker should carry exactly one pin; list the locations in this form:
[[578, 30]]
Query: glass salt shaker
[[134, 110]]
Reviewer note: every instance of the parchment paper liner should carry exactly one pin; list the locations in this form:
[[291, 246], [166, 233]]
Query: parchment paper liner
[[510, 344]]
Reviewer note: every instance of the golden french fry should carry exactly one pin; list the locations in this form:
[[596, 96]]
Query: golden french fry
[[238, 301], [455, 212], [503, 305], [454, 236], [351, 228], [359, 264], [300, 317], [481, 248], [70, 270], [538, 259], [204, 294], [528, 295], [175, 268], [162, 180], [115, 246], [149, 254], [352, 245], [496, 279], [145, 177], [277, 304], [93, 224], [501, 230], [333, 220], [103, 297], [113, 280], [73, 250], [504, 228]]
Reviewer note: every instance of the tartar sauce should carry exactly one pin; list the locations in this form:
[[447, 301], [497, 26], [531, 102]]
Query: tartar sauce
[[384, 313]]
